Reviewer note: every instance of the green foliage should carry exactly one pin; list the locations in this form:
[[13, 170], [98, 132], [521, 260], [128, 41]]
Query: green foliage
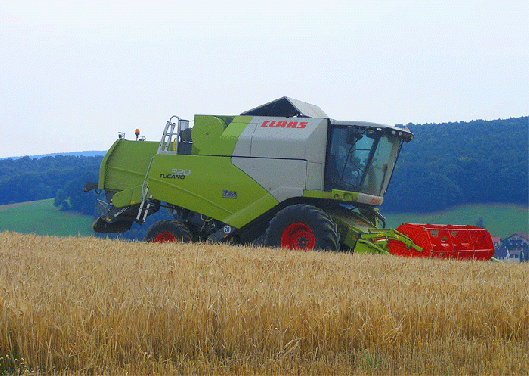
[[73, 198], [60, 198], [9, 365], [31, 179], [461, 163]]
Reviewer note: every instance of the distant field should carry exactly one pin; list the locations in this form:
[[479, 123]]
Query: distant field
[[42, 218], [88, 306], [500, 220]]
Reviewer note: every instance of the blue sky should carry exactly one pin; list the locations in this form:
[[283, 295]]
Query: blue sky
[[75, 73]]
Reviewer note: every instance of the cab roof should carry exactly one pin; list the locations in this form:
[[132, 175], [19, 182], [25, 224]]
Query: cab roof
[[287, 107]]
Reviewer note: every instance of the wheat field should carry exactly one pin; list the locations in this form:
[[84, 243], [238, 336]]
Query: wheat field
[[74, 305]]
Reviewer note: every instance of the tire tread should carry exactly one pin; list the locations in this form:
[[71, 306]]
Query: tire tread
[[177, 228], [324, 229]]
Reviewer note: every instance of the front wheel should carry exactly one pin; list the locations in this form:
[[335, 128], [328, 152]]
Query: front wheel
[[302, 227], [168, 231]]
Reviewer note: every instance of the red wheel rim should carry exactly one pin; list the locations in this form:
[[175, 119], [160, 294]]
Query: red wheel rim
[[298, 236], [164, 237]]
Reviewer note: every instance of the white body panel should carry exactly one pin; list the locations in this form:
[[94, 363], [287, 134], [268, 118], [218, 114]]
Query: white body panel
[[315, 176], [284, 155], [283, 178], [284, 138]]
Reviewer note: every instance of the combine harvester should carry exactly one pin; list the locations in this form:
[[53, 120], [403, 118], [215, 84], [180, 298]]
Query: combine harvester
[[282, 175]]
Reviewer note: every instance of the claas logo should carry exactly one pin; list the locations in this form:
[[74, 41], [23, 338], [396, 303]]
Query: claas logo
[[375, 201], [284, 124]]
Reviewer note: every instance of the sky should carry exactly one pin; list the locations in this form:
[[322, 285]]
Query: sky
[[75, 73]]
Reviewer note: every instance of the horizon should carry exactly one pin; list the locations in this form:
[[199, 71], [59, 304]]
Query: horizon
[[103, 152]]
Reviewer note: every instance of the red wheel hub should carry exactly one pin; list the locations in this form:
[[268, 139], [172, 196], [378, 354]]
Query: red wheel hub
[[165, 237], [298, 236]]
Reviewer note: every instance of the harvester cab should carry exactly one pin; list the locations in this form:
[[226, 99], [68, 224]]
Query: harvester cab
[[281, 174], [361, 158]]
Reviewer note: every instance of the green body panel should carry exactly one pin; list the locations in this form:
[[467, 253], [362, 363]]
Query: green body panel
[[209, 185], [204, 183], [127, 197], [364, 246], [376, 241], [104, 166], [334, 194], [365, 237], [211, 135], [125, 165], [355, 224]]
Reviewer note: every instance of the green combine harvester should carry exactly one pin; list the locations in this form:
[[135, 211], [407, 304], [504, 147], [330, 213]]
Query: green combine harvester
[[280, 175]]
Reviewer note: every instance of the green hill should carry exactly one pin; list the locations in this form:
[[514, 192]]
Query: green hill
[[465, 163], [42, 218], [499, 220]]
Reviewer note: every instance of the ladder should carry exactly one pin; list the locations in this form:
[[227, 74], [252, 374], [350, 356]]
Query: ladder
[[171, 135]]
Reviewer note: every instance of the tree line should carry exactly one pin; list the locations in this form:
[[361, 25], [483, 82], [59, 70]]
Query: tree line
[[61, 177], [453, 164], [445, 165]]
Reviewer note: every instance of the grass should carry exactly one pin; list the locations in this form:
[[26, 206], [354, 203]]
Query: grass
[[42, 218], [90, 306], [499, 220]]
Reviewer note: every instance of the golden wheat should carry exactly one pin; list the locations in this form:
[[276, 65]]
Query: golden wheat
[[89, 306]]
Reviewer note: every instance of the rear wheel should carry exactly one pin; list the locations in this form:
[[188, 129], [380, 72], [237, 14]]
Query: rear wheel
[[168, 231], [302, 227]]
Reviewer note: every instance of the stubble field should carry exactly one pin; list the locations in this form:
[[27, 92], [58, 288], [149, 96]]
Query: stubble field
[[76, 305]]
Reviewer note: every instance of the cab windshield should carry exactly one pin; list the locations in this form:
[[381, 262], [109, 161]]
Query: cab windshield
[[360, 159]]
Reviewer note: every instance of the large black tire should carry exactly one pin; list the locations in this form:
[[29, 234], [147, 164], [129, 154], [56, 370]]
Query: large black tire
[[168, 231], [302, 227]]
